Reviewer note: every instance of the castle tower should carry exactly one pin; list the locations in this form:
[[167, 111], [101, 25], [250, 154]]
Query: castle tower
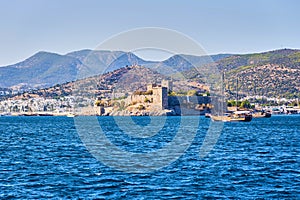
[[168, 84], [160, 96]]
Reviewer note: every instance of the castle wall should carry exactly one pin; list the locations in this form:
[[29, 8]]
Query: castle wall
[[178, 100], [97, 110]]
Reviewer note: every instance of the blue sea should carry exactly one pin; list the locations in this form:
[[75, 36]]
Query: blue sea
[[46, 157]]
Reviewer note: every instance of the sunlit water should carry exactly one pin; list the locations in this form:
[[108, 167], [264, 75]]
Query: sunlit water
[[43, 157]]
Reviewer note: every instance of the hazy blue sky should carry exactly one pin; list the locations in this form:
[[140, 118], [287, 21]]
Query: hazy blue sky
[[223, 26]]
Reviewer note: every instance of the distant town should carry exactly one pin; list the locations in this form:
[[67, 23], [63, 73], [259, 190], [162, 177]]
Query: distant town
[[157, 99]]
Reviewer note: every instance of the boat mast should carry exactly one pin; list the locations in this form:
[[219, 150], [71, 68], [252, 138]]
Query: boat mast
[[237, 93], [224, 103]]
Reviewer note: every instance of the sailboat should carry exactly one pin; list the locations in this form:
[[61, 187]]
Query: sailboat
[[236, 116]]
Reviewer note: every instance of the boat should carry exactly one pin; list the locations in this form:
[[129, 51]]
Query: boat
[[207, 115], [237, 116], [44, 114], [71, 115], [261, 114], [292, 110], [29, 114]]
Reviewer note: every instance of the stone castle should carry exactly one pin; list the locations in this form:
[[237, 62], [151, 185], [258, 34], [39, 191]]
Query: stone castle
[[154, 101], [157, 94]]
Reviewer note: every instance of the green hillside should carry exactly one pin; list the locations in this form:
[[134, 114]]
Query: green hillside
[[272, 74]]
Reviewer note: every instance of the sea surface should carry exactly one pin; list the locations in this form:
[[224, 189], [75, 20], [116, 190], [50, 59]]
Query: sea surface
[[45, 157]]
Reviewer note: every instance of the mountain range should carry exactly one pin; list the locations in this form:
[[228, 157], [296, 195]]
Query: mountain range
[[273, 73], [45, 69]]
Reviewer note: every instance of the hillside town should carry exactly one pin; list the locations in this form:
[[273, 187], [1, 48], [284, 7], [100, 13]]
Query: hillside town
[[157, 99]]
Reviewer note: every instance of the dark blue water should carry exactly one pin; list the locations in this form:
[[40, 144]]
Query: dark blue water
[[43, 157]]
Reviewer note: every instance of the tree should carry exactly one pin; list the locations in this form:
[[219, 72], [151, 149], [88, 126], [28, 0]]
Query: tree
[[172, 93], [191, 92], [116, 104], [98, 103], [245, 104], [146, 100], [122, 105], [141, 107], [231, 103]]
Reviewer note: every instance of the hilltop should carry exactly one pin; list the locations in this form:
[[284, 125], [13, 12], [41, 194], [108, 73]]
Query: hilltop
[[45, 69], [40, 70]]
